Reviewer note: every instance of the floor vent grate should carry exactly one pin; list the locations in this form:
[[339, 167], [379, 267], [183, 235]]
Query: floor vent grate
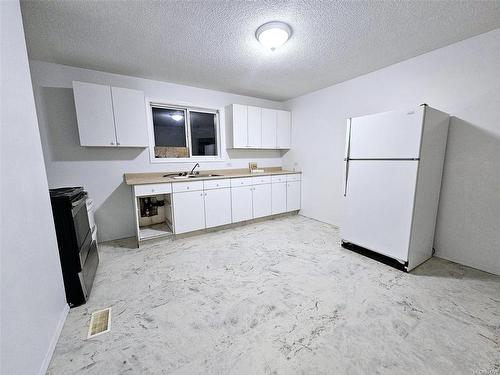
[[100, 322]]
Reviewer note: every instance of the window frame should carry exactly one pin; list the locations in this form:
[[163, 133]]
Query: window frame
[[187, 108]]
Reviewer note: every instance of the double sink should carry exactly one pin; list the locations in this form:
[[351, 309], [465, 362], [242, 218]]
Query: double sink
[[186, 176]]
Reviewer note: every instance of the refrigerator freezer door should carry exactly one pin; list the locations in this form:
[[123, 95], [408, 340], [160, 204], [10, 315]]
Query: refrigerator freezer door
[[379, 205], [388, 135]]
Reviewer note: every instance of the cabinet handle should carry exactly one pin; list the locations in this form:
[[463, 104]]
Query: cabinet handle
[[187, 187], [201, 194], [112, 143], [118, 143]]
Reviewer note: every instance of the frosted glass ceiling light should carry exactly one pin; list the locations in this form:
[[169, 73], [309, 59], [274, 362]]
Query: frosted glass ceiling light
[[273, 34]]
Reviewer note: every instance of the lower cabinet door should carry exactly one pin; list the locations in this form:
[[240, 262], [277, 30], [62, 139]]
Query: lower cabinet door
[[217, 207], [189, 211], [278, 197], [241, 203], [262, 200], [293, 196]]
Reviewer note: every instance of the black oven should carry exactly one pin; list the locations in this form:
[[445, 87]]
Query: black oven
[[77, 252], [80, 219]]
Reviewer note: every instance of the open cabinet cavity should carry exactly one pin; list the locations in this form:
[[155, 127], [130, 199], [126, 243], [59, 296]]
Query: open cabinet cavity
[[154, 216]]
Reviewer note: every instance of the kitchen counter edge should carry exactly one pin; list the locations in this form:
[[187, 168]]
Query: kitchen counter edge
[[157, 178]]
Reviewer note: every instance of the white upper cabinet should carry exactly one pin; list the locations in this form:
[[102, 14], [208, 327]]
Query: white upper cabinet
[[94, 110], [283, 129], [110, 116], [255, 127], [130, 117], [239, 125], [268, 128]]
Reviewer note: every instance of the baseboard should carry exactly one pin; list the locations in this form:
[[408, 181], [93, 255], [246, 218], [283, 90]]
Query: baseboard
[[53, 342], [479, 267]]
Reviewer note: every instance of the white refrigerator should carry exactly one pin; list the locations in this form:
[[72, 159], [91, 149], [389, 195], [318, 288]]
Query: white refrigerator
[[392, 179]]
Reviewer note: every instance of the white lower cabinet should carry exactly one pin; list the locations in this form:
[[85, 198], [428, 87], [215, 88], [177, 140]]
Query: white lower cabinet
[[278, 197], [198, 205], [261, 200], [241, 203], [293, 196], [189, 212], [217, 207]]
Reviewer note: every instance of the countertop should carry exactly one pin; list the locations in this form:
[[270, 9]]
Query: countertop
[[157, 177]]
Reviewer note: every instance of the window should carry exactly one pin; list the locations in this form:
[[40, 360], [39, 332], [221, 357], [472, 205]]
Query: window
[[203, 134], [184, 133]]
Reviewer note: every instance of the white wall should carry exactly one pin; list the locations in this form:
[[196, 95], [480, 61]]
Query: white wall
[[33, 303], [100, 170], [462, 79]]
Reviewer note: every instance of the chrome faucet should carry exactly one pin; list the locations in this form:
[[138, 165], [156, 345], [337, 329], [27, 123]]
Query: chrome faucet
[[192, 170]]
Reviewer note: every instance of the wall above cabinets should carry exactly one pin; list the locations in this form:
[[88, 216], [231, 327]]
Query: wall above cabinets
[[252, 127], [110, 116]]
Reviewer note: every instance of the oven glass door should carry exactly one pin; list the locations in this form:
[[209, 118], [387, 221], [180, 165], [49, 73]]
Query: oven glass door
[[80, 220]]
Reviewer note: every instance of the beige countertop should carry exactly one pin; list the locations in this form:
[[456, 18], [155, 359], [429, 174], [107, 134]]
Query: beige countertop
[[158, 177]]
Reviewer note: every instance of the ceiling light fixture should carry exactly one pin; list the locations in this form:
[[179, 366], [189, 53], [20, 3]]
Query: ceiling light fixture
[[273, 34]]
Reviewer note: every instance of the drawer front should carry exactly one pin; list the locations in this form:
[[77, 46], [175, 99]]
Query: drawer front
[[216, 184], [293, 177], [152, 189], [245, 181], [261, 180], [179, 187], [279, 178]]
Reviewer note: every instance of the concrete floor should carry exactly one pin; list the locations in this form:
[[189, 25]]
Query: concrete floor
[[280, 297]]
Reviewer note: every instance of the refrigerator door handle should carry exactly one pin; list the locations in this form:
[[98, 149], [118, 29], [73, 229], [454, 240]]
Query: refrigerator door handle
[[346, 175], [346, 156]]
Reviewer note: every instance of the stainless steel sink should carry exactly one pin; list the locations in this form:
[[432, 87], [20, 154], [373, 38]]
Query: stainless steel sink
[[204, 175], [196, 176]]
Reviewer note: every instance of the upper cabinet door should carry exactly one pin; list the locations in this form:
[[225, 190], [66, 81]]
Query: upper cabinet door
[[283, 129], [388, 135], [268, 128], [130, 117], [254, 127], [94, 112], [240, 125]]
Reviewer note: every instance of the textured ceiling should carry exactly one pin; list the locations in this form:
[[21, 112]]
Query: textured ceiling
[[211, 44]]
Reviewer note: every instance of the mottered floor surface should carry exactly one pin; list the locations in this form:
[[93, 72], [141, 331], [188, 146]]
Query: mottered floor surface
[[280, 297]]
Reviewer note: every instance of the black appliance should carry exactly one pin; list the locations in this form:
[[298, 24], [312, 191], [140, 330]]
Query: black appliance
[[77, 250]]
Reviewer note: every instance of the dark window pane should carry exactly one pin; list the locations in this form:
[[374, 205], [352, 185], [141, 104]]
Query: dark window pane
[[203, 134], [169, 127]]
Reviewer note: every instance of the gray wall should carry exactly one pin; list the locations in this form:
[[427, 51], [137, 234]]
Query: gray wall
[[100, 170], [33, 304], [462, 79]]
